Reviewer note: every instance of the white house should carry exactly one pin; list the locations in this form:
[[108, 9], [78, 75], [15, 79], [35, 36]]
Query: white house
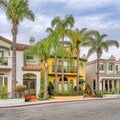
[[27, 69], [109, 73]]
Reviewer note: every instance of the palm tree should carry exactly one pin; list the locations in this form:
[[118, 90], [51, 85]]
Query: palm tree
[[98, 44], [54, 39], [16, 11], [42, 51], [57, 51], [61, 26], [78, 38]]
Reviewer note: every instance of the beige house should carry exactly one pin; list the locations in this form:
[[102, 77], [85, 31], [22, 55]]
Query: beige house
[[27, 69], [109, 74]]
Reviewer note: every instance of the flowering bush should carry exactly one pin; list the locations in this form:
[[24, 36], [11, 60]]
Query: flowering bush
[[20, 88], [30, 97]]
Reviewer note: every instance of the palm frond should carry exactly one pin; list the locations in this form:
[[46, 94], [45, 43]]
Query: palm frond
[[113, 43], [90, 52], [55, 21]]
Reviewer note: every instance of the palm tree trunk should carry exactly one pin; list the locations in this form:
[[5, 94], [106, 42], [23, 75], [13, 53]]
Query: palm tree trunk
[[14, 34], [62, 74], [98, 73], [77, 77], [46, 81], [63, 66], [56, 68]]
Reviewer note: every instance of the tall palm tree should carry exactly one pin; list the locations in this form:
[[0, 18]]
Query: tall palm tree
[[16, 11], [98, 44], [42, 51], [54, 39], [57, 51], [61, 26], [78, 38]]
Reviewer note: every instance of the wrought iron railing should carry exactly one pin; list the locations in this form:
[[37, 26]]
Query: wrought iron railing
[[67, 69]]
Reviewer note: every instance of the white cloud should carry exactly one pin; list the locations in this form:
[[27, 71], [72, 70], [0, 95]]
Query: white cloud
[[85, 4], [97, 22], [112, 51]]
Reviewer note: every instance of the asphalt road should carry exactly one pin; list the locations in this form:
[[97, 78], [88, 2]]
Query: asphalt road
[[82, 110]]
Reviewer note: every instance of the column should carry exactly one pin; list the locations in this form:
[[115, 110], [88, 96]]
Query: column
[[117, 83], [3, 81], [113, 84], [103, 84], [108, 85]]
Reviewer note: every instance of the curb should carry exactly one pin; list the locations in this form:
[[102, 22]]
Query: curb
[[53, 102]]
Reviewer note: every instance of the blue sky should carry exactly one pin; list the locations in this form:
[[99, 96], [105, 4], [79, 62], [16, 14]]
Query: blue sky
[[101, 15]]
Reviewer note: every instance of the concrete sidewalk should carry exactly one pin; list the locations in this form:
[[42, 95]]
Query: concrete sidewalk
[[50, 101]]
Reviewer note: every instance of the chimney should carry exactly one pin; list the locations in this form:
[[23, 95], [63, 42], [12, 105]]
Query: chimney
[[32, 41], [112, 57], [84, 57]]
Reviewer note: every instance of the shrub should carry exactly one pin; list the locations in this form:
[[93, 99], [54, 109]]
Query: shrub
[[88, 88], [50, 89], [98, 94], [3, 92], [19, 89]]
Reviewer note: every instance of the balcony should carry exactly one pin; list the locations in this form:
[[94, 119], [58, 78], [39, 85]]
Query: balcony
[[4, 61], [67, 69]]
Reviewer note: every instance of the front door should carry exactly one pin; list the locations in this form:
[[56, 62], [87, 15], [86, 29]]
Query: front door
[[31, 86], [30, 81]]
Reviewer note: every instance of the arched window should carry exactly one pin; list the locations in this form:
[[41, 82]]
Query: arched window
[[65, 79]]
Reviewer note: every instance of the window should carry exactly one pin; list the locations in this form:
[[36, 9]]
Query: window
[[26, 83], [71, 85], [53, 65], [81, 64], [29, 57], [1, 56], [32, 85], [101, 67], [94, 84], [116, 67], [110, 67], [65, 66], [4, 81], [59, 66]]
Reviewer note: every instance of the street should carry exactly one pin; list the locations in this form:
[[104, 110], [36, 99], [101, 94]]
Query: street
[[80, 110]]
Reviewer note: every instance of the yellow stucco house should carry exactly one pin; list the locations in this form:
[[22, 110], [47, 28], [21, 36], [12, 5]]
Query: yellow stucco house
[[70, 72]]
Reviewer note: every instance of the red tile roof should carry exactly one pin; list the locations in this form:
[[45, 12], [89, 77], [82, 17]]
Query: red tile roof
[[31, 67], [19, 46]]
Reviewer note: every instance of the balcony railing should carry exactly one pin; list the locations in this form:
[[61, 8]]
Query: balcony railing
[[67, 69], [4, 61]]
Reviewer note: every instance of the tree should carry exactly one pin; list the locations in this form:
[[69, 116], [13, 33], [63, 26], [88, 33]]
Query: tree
[[54, 39], [16, 11], [42, 51], [98, 44], [57, 51], [78, 38], [61, 26]]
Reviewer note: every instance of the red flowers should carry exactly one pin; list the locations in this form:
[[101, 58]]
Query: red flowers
[[30, 97]]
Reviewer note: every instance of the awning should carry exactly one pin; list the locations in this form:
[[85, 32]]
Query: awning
[[81, 80]]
